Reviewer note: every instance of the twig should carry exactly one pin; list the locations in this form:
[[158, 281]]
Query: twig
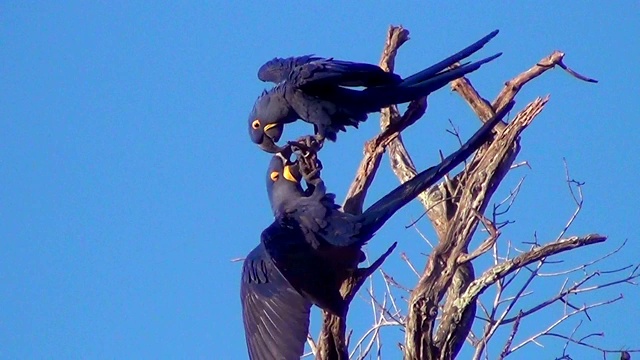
[[575, 74], [585, 265], [511, 198], [573, 332], [430, 207], [406, 259], [578, 199], [386, 279], [562, 319], [391, 281], [512, 335], [484, 109], [520, 164], [415, 226], [312, 344]]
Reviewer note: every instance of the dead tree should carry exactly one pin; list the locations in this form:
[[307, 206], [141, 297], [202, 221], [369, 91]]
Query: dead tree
[[443, 304]]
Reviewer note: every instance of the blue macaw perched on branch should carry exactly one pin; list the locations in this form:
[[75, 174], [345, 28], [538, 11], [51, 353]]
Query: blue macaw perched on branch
[[312, 246], [317, 90]]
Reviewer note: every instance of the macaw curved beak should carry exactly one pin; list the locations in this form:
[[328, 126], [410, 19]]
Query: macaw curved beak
[[269, 146], [272, 133]]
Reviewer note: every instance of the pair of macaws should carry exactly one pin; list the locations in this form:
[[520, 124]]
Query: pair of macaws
[[312, 245]]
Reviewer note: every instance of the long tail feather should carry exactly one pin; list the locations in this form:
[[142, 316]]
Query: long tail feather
[[376, 215], [436, 68], [377, 98], [445, 77]]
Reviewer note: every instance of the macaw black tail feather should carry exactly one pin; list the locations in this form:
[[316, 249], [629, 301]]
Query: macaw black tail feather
[[381, 97], [443, 78], [442, 65], [376, 215]]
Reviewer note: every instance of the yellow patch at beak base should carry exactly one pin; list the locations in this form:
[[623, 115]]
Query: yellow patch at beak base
[[288, 175]]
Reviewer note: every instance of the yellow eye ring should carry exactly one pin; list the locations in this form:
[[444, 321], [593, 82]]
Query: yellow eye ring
[[255, 124], [274, 175]]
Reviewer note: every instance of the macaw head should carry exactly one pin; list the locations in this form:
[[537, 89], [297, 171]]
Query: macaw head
[[267, 119], [283, 183]]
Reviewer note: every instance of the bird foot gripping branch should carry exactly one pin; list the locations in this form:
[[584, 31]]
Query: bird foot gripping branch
[[307, 145], [308, 165]]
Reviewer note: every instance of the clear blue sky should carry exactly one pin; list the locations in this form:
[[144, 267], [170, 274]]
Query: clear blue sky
[[128, 182]]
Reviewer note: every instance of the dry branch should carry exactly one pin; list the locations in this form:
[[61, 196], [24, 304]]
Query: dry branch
[[478, 183], [484, 110], [454, 207], [503, 269], [452, 327]]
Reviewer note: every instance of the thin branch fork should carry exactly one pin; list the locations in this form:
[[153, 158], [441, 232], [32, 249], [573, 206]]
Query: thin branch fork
[[512, 335], [486, 245]]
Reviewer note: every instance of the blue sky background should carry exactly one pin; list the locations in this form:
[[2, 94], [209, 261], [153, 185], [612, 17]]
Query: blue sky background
[[128, 182]]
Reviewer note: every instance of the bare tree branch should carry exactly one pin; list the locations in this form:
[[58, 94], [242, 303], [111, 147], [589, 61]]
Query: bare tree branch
[[443, 261], [501, 270], [396, 36], [442, 305], [512, 335]]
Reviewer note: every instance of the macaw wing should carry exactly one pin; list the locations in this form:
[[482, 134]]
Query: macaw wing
[[275, 315], [302, 265], [329, 73], [322, 217], [277, 70]]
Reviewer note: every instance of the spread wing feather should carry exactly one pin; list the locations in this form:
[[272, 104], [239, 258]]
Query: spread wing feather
[[275, 315]]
